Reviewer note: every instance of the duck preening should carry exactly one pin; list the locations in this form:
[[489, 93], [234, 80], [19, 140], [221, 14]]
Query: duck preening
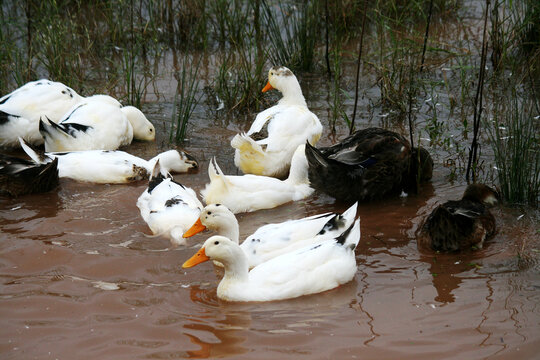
[[254, 192], [308, 270], [21, 177], [111, 167], [460, 224], [370, 164], [21, 110], [169, 208], [268, 146], [97, 123], [272, 240]]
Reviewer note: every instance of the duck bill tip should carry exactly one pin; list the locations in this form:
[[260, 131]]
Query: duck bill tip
[[194, 229], [267, 87], [199, 257]]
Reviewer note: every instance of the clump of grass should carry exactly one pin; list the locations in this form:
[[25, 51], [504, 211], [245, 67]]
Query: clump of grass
[[292, 33], [516, 146], [185, 99]]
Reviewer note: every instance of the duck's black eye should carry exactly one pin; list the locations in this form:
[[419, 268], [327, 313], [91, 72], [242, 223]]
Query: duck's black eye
[[209, 213], [216, 242]]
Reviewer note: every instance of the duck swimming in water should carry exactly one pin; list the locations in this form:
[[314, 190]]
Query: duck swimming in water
[[268, 147], [21, 177], [460, 224], [370, 164], [307, 270], [272, 240], [169, 208], [111, 166], [248, 193]]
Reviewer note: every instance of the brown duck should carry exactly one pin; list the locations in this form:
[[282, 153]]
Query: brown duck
[[369, 164], [460, 224], [20, 177]]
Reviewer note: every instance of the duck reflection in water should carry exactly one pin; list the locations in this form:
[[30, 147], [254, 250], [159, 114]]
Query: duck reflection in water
[[448, 273], [227, 330]]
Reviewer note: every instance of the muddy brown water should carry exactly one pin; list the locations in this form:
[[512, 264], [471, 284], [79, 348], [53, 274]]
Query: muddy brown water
[[82, 279]]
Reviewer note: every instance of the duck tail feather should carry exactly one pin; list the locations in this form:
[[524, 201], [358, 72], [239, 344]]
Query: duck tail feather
[[350, 214], [245, 144], [36, 155], [315, 157], [351, 236], [215, 172]]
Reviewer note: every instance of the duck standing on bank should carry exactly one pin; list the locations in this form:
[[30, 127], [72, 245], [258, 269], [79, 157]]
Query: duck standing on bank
[[460, 224], [97, 123], [272, 240], [21, 110], [369, 164], [268, 146], [254, 192], [308, 270]]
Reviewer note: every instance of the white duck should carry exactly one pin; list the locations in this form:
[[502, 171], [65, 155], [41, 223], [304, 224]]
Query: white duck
[[308, 270], [21, 110], [267, 148], [272, 240], [97, 123], [169, 208], [253, 192], [111, 167]]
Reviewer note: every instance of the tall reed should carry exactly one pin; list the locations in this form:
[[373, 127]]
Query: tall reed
[[186, 99], [516, 144]]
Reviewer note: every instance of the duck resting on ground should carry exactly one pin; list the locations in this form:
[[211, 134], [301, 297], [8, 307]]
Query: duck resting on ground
[[254, 192], [308, 270], [460, 224], [21, 110], [272, 240], [111, 166], [21, 177], [97, 123], [369, 164], [268, 146], [169, 208]]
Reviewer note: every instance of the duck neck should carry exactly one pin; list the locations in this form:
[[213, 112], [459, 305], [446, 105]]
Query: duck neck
[[236, 267], [298, 173], [230, 229], [292, 94]]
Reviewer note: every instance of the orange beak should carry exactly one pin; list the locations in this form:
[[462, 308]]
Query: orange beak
[[196, 259], [267, 87], [194, 229]]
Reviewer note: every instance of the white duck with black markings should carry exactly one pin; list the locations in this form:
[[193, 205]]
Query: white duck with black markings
[[21, 110], [112, 167], [169, 208], [272, 240], [308, 270]]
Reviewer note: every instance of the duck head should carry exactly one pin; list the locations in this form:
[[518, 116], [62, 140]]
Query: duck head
[[142, 128], [223, 250], [283, 79], [216, 217], [481, 193], [175, 161]]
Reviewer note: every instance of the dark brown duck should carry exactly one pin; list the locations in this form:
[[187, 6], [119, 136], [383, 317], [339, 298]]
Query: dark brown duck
[[370, 164], [460, 224], [20, 177]]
